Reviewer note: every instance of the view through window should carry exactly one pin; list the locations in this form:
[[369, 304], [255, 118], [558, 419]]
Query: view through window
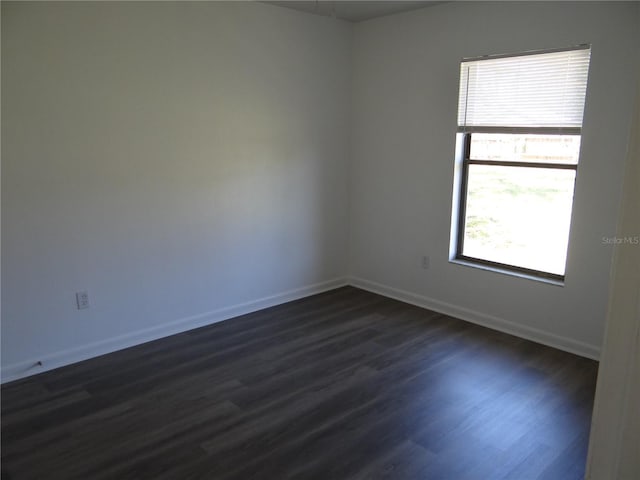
[[520, 120]]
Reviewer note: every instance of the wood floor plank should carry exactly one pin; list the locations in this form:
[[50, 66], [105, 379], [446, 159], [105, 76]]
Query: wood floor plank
[[342, 385]]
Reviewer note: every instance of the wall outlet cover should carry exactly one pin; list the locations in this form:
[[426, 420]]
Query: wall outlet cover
[[82, 299]]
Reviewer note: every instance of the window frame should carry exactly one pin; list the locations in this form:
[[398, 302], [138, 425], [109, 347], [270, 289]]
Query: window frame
[[466, 160]]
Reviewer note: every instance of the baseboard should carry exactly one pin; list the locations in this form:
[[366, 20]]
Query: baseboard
[[67, 357], [489, 321]]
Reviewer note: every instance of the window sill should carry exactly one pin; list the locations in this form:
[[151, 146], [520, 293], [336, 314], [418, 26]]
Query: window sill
[[511, 273]]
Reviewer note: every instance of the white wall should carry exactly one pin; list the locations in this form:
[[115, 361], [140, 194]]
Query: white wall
[[175, 159], [405, 90], [185, 162], [614, 448]]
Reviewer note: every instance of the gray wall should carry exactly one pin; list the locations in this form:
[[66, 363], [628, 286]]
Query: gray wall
[[405, 91], [186, 162], [175, 159], [615, 428]]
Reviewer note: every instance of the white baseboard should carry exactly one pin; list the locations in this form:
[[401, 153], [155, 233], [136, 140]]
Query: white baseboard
[[489, 321], [66, 357]]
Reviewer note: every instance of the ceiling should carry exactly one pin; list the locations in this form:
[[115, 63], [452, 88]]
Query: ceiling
[[354, 11]]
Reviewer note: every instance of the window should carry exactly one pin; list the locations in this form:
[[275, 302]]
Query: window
[[518, 144]]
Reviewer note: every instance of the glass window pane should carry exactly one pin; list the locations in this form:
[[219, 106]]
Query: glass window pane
[[525, 147], [519, 216]]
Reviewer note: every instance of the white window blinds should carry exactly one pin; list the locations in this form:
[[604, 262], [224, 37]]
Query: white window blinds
[[531, 90]]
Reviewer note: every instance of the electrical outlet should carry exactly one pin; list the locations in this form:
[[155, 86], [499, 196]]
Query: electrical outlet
[[82, 299], [425, 262]]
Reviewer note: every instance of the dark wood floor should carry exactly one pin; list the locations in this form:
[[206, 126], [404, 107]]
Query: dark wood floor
[[342, 385]]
